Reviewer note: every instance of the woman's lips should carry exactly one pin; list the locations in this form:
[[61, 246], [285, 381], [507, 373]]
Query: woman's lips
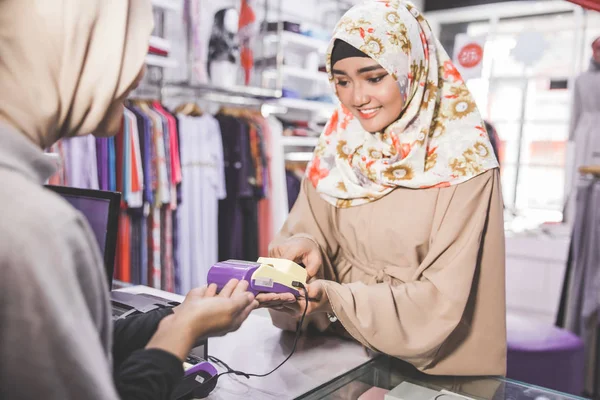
[[368, 113]]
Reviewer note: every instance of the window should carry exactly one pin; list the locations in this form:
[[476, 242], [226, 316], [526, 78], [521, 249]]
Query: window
[[529, 104]]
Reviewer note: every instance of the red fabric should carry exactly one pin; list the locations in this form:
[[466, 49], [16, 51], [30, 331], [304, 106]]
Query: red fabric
[[247, 61], [157, 51], [589, 4], [150, 246], [119, 157], [123, 269], [247, 18], [135, 173], [247, 15], [123, 264], [173, 142]]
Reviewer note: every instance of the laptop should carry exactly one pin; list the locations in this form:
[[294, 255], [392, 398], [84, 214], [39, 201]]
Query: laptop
[[101, 209]]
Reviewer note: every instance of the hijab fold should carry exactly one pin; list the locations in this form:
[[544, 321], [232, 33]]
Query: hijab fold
[[64, 62], [440, 138]]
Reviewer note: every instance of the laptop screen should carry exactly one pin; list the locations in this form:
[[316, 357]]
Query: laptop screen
[[101, 210], [96, 211]]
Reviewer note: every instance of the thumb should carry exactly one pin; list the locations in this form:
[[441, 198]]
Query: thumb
[[312, 262], [275, 251], [292, 253]]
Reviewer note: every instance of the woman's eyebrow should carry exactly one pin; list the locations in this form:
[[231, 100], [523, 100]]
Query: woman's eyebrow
[[338, 72], [369, 69]]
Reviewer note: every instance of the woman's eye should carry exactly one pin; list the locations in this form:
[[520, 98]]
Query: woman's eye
[[376, 79], [342, 83]]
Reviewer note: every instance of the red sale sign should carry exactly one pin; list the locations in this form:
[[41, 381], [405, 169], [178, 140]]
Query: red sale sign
[[468, 55]]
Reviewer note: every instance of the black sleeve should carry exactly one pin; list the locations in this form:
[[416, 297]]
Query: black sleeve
[[148, 374], [134, 333], [143, 374]]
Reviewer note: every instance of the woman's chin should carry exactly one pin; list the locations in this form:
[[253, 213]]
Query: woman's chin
[[373, 126]]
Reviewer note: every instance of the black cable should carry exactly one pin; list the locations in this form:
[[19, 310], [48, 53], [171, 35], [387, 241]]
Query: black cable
[[230, 370]]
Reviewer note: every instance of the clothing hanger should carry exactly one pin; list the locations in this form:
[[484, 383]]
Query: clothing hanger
[[296, 166], [190, 109], [231, 111], [141, 102], [590, 170], [239, 112]]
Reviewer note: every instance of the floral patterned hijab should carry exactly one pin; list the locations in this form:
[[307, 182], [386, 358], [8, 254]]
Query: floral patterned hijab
[[440, 138]]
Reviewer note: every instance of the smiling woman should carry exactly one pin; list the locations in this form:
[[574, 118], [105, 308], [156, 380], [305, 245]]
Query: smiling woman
[[399, 220], [365, 88]]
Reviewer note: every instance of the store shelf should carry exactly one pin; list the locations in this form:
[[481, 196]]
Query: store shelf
[[298, 42], [304, 141], [163, 62], [306, 105], [299, 156], [160, 43], [171, 5], [241, 91], [297, 72]]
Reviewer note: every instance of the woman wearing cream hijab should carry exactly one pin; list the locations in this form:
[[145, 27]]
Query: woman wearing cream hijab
[[399, 220], [65, 68]]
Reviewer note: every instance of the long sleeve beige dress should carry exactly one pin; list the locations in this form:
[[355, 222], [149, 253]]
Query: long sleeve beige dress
[[417, 274]]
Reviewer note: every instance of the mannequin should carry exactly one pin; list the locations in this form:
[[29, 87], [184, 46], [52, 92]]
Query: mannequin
[[584, 137], [224, 49]]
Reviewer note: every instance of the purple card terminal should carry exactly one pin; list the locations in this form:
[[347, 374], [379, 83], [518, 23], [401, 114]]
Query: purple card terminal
[[267, 275]]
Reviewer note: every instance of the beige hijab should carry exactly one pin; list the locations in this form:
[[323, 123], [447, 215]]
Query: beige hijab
[[64, 62]]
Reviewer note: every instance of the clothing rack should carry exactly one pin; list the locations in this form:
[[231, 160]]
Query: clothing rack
[[222, 97]]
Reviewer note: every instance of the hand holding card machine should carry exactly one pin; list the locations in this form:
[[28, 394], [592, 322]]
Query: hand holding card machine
[[197, 381], [266, 275]]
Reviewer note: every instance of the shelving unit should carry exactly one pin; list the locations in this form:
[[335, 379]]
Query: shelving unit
[[300, 156], [240, 91], [297, 41], [306, 105], [291, 72], [162, 62], [300, 141], [160, 42], [172, 5], [297, 72]]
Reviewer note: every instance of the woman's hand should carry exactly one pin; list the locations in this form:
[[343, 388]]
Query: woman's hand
[[318, 302], [204, 314], [300, 250]]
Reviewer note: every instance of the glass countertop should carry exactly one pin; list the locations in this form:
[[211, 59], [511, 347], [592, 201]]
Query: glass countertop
[[372, 380]]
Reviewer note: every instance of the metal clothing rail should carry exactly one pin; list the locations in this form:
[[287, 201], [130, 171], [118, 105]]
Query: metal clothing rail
[[220, 96], [240, 91]]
